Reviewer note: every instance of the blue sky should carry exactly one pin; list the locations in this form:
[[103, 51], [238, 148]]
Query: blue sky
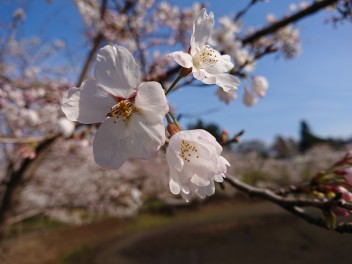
[[317, 86]]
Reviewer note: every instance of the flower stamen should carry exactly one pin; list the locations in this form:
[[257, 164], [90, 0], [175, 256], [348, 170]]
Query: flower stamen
[[124, 108], [187, 149], [205, 57]]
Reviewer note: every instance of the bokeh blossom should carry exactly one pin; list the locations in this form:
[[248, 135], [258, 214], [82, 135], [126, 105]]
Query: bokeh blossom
[[260, 85], [224, 96]]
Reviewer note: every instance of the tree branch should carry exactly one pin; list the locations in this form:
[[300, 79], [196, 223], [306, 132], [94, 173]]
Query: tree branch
[[27, 139], [293, 205], [288, 20], [14, 179]]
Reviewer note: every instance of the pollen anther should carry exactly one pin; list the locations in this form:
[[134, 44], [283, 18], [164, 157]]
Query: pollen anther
[[124, 109]]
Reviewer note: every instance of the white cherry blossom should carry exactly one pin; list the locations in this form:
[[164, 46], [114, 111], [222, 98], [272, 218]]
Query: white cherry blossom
[[66, 127], [225, 97], [207, 64], [132, 112], [249, 99], [260, 85], [195, 163]]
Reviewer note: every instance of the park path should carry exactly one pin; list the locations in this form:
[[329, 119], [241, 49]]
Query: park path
[[222, 232], [51, 246]]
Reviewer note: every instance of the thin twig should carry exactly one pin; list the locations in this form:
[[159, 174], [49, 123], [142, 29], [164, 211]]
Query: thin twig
[[294, 205], [288, 20], [28, 139], [245, 10], [273, 197]]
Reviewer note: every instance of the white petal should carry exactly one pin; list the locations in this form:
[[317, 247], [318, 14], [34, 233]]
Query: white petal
[[198, 74], [182, 58], [151, 101], [174, 187], [173, 160], [186, 196], [210, 189], [260, 85], [201, 193], [209, 80], [202, 27], [116, 71], [144, 138], [227, 82], [249, 99], [200, 181], [66, 127], [87, 104], [110, 145], [219, 178], [224, 64]]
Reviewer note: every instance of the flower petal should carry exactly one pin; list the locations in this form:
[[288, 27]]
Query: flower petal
[[223, 64], [87, 104], [174, 187], [198, 74], [227, 82], [144, 137], [249, 99], [116, 71], [109, 145], [202, 27], [182, 58], [219, 177], [199, 180], [151, 101]]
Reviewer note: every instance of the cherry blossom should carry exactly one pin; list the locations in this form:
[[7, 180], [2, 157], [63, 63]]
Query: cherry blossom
[[207, 64], [66, 127], [195, 163], [132, 112], [260, 85], [224, 96], [249, 99]]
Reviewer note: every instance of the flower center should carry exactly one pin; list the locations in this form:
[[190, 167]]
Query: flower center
[[205, 57], [124, 109], [188, 150]]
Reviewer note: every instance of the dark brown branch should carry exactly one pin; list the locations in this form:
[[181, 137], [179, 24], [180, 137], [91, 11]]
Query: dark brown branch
[[28, 166], [267, 30], [245, 10], [273, 197], [22, 140], [288, 20], [234, 139], [14, 179], [293, 205], [96, 44]]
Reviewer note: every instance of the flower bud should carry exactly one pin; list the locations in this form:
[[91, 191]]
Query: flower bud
[[172, 129]]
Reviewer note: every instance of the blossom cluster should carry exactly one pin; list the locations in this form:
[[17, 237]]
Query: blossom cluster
[[29, 95], [131, 113], [126, 100]]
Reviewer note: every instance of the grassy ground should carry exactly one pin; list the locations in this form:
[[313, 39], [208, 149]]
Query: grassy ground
[[223, 232]]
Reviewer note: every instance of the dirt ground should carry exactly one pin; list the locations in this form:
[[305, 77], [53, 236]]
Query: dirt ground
[[226, 232]]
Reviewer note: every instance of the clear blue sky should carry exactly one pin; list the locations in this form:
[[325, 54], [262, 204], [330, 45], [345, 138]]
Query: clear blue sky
[[317, 86]]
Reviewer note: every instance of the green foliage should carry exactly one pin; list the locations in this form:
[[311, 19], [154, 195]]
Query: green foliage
[[36, 223], [308, 139]]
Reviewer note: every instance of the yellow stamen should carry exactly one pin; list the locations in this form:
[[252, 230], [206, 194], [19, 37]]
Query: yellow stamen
[[124, 108], [187, 150]]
